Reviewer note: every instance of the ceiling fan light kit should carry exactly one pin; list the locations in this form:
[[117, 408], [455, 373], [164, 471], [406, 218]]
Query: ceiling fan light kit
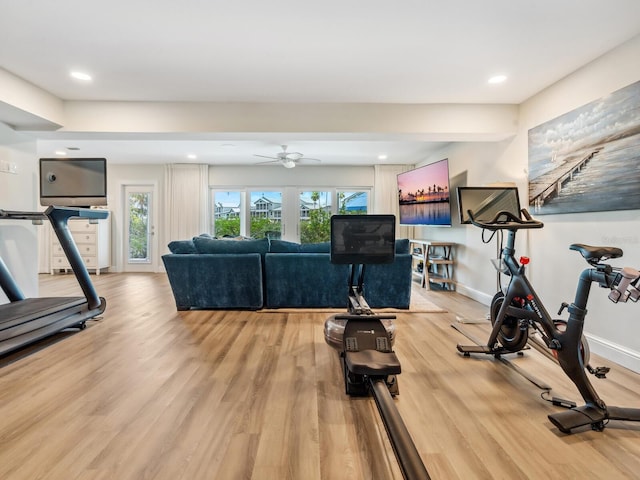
[[286, 159], [288, 163]]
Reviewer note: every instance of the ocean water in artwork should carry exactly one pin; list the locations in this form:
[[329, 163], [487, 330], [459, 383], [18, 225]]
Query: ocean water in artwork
[[426, 214], [588, 159], [609, 181]]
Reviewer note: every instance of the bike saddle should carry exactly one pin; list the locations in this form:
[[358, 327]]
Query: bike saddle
[[595, 255]]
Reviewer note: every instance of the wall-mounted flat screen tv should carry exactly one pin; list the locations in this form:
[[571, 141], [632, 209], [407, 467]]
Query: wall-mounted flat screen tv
[[73, 182], [486, 202], [363, 239], [423, 195]]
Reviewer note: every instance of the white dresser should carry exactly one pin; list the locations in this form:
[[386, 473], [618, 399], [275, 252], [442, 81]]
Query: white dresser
[[93, 241]]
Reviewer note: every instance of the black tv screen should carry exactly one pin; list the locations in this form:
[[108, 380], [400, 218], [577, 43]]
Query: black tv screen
[[423, 195], [486, 202], [73, 182], [363, 239]]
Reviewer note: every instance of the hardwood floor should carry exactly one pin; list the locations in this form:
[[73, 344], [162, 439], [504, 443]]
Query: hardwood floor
[[147, 392]]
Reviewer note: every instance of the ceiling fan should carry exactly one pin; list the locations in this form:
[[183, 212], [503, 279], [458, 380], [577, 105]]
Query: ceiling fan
[[286, 159]]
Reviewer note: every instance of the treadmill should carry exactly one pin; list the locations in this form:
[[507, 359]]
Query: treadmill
[[27, 320]]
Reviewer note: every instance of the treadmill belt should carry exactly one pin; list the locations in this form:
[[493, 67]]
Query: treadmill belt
[[23, 311]]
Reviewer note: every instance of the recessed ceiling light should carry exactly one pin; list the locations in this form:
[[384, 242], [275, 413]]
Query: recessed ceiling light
[[498, 79], [85, 77], [192, 156], [60, 152], [382, 156]]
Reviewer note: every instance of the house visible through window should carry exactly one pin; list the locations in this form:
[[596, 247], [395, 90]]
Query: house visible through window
[[264, 214]]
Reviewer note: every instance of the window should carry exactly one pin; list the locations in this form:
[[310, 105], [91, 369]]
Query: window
[[265, 215], [227, 212], [315, 216], [353, 202], [139, 226]]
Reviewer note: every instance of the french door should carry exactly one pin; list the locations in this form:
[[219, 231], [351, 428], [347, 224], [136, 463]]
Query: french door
[[140, 241]]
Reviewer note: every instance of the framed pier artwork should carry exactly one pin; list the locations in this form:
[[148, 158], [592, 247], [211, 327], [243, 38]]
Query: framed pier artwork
[[588, 160]]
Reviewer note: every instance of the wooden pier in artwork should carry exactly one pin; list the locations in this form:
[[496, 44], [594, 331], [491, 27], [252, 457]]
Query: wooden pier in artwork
[[549, 184]]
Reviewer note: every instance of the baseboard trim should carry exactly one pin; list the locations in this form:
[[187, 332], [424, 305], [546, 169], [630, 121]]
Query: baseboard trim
[[476, 295], [616, 353]]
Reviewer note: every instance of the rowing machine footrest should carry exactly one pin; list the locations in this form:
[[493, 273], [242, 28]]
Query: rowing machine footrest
[[372, 363]]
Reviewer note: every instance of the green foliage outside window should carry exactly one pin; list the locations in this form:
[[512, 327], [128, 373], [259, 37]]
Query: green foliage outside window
[[317, 228], [260, 227], [138, 226], [227, 226]]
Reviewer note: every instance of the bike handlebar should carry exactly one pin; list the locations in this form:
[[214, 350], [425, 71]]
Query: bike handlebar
[[626, 288], [505, 220]]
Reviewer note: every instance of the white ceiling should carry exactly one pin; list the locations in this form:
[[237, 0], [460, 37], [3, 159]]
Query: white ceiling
[[347, 51]]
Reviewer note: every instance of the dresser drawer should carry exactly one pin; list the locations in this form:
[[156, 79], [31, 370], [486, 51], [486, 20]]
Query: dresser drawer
[[80, 226], [92, 242], [84, 237], [61, 262], [84, 248], [58, 261]]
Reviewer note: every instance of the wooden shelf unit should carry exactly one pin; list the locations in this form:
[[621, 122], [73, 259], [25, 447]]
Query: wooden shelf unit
[[432, 263]]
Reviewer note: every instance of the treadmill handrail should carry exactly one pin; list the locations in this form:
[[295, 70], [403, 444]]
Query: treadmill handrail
[[59, 217]]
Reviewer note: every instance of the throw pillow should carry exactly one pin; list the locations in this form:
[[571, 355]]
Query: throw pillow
[[282, 246], [182, 246], [211, 245], [322, 247]]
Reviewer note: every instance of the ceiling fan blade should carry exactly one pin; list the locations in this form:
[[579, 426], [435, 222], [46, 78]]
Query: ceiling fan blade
[[267, 162], [309, 158], [265, 156]]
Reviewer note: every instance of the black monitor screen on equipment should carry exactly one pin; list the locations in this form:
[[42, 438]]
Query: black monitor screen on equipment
[[363, 239], [486, 202]]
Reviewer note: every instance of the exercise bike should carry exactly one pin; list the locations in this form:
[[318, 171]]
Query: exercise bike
[[518, 310]]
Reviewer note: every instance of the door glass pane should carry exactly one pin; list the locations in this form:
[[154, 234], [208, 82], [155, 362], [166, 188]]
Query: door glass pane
[[265, 215], [353, 203], [315, 217], [226, 214], [139, 232]]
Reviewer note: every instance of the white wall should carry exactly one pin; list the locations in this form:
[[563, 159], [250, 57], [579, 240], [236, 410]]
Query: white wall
[[473, 164], [18, 239], [613, 330]]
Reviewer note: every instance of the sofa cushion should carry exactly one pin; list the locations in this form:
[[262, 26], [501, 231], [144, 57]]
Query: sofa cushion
[[211, 245], [215, 280], [182, 246], [282, 246], [305, 280], [323, 247], [402, 245]]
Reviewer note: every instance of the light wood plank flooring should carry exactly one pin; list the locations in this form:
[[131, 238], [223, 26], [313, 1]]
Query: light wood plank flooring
[[147, 392]]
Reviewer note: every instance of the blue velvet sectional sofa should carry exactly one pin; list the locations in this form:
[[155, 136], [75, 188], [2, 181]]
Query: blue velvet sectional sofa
[[208, 273]]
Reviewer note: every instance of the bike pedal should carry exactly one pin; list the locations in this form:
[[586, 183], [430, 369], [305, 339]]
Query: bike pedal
[[599, 372], [560, 402]]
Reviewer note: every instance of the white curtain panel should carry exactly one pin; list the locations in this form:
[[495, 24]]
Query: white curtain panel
[[186, 201], [385, 196]]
